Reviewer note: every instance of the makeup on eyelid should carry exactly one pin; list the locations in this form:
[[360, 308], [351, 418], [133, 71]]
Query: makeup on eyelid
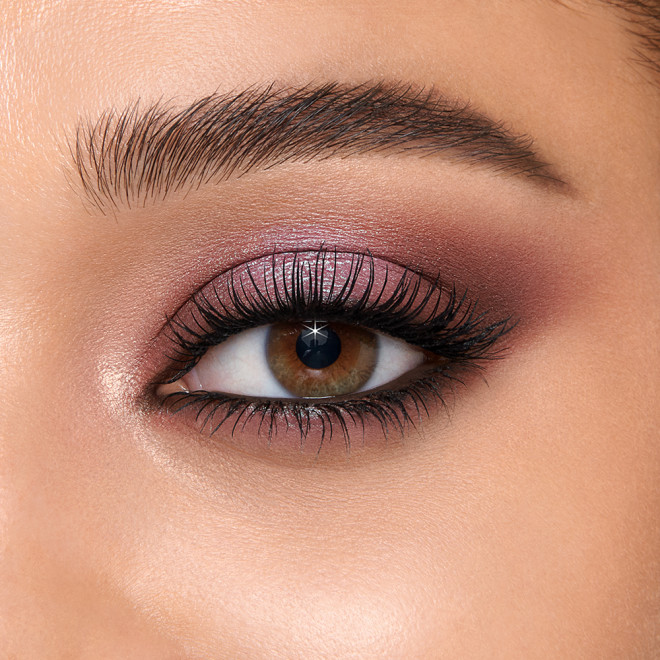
[[509, 276], [464, 239], [513, 276], [497, 247], [264, 277], [518, 276]]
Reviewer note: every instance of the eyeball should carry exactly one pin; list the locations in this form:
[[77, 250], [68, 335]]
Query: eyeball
[[303, 360]]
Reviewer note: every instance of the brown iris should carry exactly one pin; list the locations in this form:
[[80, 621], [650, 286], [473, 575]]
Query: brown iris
[[317, 359]]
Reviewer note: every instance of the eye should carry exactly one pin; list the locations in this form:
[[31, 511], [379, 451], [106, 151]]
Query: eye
[[298, 345], [311, 359]]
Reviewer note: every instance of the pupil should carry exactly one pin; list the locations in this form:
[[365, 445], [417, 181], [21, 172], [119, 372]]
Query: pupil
[[318, 347]]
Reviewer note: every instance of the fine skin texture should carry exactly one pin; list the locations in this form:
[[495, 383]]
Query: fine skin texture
[[523, 524]]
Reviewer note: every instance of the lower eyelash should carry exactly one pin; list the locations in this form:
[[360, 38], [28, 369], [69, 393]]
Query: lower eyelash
[[392, 410]]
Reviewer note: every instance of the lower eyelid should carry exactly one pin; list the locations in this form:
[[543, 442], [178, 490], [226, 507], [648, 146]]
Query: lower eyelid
[[290, 428]]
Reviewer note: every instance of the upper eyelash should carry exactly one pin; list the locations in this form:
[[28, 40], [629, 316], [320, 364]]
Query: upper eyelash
[[449, 326]]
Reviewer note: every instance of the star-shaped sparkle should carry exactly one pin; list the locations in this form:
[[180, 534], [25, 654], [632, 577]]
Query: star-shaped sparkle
[[315, 329]]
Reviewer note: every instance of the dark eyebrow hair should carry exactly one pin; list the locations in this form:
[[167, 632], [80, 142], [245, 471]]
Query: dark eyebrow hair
[[643, 18], [140, 153]]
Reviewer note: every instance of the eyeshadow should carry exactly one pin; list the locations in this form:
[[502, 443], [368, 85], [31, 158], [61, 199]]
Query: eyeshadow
[[317, 276]]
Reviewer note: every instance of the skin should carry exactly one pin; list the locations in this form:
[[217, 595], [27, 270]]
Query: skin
[[525, 525]]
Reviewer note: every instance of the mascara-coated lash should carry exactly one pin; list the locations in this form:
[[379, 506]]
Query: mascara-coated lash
[[352, 288]]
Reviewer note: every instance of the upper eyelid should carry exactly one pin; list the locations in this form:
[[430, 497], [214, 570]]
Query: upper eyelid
[[267, 255], [270, 254], [416, 318], [319, 258]]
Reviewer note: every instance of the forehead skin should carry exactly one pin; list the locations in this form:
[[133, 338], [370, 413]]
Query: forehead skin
[[527, 528]]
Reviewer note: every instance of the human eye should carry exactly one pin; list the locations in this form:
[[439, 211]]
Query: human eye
[[312, 359], [313, 342]]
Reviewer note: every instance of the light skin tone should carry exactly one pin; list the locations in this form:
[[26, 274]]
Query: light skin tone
[[520, 524]]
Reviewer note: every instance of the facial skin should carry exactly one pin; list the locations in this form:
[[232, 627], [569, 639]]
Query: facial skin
[[522, 525]]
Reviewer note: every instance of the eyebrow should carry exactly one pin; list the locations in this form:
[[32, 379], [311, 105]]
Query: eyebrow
[[642, 19], [140, 153]]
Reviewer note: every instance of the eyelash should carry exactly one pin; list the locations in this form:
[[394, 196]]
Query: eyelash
[[436, 319]]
